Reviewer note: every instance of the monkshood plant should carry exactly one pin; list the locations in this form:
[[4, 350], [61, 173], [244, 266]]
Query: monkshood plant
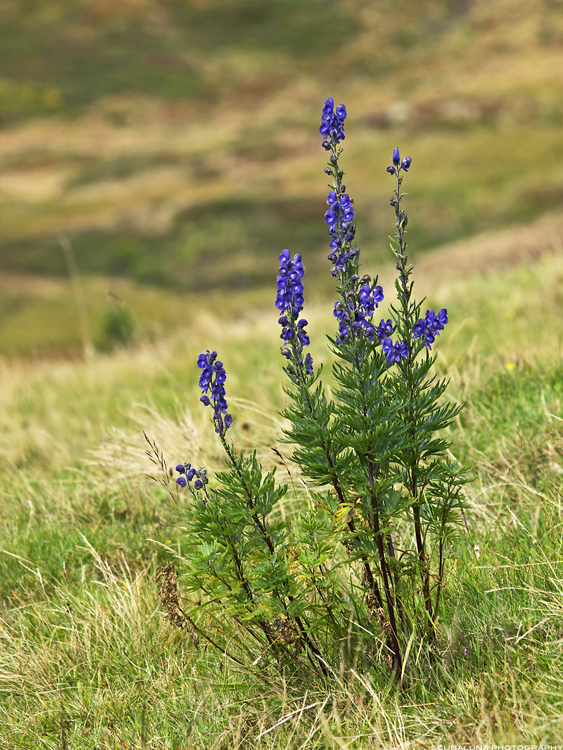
[[359, 577]]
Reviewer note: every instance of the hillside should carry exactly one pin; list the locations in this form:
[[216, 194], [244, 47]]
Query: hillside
[[175, 143]]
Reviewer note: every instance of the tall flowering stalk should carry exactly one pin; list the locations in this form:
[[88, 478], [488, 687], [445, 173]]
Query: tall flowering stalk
[[368, 411], [238, 552], [359, 575], [432, 482]]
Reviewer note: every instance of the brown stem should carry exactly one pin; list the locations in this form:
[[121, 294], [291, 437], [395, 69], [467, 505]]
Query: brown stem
[[249, 495], [397, 661]]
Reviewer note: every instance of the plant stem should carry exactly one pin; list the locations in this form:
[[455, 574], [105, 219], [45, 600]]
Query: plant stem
[[303, 629], [404, 293], [397, 661]]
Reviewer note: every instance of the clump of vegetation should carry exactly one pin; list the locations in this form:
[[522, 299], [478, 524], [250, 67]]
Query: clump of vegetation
[[118, 325], [360, 576]]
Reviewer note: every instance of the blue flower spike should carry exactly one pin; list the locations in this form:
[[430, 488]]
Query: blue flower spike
[[332, 124], [187, 474], [398, 164], [340, 214], [212, 380], [290, 301]]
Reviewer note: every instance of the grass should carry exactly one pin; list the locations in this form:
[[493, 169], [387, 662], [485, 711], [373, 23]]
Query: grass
[[88, 658], [161, 139]]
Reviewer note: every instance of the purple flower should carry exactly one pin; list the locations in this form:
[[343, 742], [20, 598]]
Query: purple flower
[[357, 316], [402, 350], [418, 328], [290, 289], [369, 300], [332, 124], [338, 218], [200, 482], [340, 213], [290, 301], [346, 208], [213, 377], [309, 364], [399, 165], [430, 326], [344, 318], [394, 352], [331, 217], [384, 330]]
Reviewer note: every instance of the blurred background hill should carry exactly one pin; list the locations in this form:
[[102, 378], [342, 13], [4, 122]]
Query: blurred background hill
[[157, 155]]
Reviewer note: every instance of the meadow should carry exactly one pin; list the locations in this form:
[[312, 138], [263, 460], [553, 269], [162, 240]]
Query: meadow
[[89, 659], [155, 157]]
